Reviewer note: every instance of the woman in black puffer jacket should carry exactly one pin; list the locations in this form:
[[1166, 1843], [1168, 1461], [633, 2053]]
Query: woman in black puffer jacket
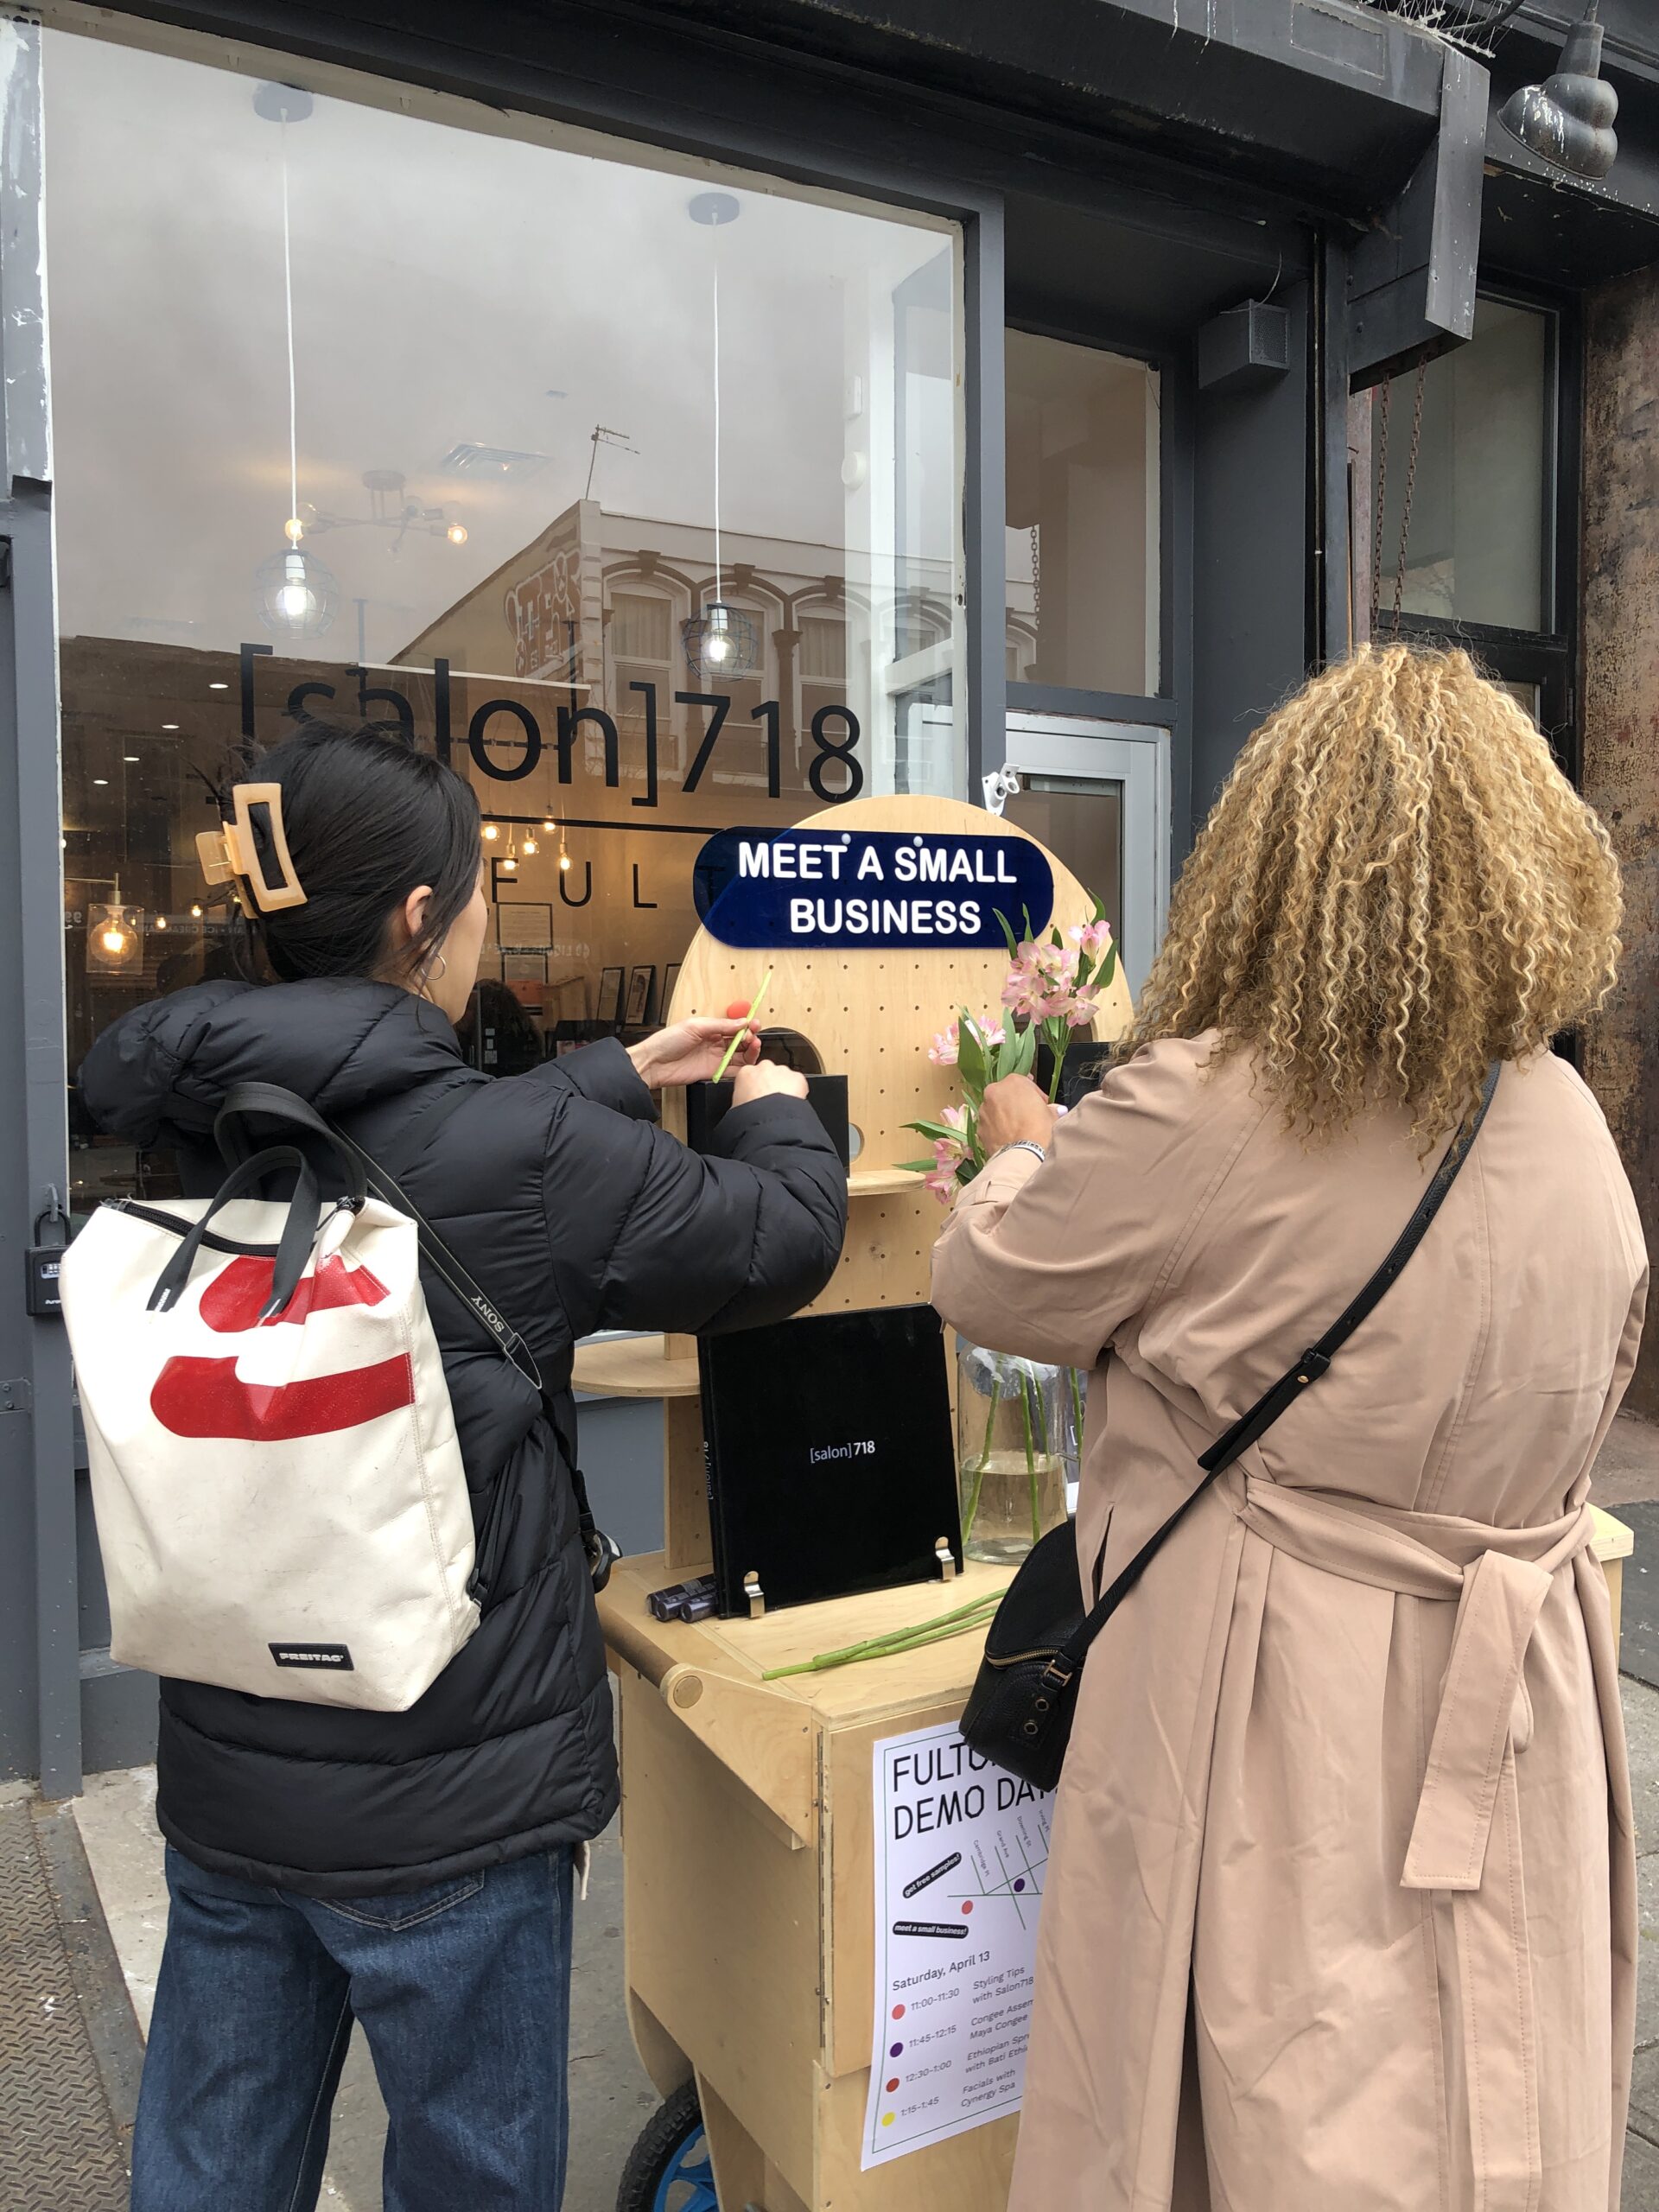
[[412, 1870]]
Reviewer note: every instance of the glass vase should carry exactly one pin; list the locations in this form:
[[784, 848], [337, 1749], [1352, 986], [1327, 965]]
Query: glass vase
[[1010, 1461], [1074, 1398]]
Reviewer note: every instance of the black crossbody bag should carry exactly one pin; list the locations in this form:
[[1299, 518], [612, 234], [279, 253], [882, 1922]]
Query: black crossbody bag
[[270, 1101], [1020, 1712]]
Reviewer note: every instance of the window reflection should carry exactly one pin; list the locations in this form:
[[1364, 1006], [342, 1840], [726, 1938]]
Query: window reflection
[[504, 525], [1082, 518], [1476, 551]]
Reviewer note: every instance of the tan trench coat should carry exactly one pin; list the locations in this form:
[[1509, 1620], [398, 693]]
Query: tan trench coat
[[1340, 1915]]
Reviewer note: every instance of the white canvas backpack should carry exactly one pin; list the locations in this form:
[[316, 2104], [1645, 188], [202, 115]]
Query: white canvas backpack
[[281, 1502]]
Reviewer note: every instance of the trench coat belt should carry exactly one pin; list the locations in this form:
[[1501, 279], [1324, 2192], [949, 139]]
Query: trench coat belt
[[1498, 1579]]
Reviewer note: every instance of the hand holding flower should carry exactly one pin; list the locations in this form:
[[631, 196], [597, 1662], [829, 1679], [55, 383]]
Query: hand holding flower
[[1015, 1111]]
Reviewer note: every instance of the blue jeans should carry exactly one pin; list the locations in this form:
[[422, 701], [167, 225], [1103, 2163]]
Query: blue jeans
[[464, 1994]]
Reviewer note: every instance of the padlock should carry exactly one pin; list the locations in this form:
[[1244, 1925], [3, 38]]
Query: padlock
[[42, 1262]]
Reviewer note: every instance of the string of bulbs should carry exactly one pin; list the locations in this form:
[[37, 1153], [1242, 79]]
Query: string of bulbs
[[508, 863]]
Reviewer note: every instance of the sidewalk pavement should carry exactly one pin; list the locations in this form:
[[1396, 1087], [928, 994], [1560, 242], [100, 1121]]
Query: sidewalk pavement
[[611, 2098]]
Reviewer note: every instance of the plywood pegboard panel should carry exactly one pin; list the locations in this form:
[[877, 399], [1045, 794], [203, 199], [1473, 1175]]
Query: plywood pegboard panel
[[887, 1258], [871, 1012]]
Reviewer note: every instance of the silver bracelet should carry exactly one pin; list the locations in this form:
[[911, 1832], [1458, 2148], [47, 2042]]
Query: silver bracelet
[[1024, 1144]]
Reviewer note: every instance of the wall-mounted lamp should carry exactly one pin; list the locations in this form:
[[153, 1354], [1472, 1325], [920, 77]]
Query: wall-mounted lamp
[[1568, 121]]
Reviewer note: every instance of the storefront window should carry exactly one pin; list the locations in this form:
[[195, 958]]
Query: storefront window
[[1082, 518], [1476, 545], [468, 431]]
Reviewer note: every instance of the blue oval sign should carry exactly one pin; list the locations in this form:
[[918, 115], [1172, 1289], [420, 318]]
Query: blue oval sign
[[840, 889]]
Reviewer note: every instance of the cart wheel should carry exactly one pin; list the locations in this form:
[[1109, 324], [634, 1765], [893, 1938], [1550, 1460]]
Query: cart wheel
[[669, 2168]]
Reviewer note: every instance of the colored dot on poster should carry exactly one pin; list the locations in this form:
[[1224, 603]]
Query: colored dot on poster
[[1020, 1883], [898, 2012], [896, 2051], [967, 1904], [892, 2086], [887, 2119]]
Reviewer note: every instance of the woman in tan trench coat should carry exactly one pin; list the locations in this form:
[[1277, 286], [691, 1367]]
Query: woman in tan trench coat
[[1340, 1915]]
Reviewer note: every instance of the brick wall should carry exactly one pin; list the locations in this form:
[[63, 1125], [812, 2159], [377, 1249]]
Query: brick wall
[[1621, 723]]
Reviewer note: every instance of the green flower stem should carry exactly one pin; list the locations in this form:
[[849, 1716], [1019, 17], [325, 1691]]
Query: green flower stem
[[938, 1620], [1076, 1410], [969, 1516], [978, 1614], [1026, 1389]]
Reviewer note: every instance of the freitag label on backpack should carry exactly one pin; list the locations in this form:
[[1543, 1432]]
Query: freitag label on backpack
[[335, 1657]]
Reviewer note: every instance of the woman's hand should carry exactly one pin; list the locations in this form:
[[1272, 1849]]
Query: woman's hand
[[690, 1051], [1015, 1111], [766, 1080]]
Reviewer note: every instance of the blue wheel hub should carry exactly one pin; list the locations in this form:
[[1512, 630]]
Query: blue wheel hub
[[689, 2184]]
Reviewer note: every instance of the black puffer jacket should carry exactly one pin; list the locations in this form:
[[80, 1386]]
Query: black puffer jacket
[[574, 1212]]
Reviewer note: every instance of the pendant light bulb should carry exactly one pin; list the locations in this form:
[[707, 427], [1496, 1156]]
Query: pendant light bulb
[[564, 862], [114, 939], [295, 600], [530, 848], [293, 529], [195, 913], [491, 832], [456, 533]]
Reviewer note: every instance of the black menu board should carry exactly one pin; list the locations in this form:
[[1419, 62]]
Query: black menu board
[[831, 1466]]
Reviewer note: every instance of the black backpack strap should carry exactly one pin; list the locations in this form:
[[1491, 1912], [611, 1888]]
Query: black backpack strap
[[270, 1101], [1285, 1392]]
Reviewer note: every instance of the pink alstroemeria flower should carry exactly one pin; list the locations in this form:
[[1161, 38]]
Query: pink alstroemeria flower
[[949, 1153], [942, 1051], [1092, 937]]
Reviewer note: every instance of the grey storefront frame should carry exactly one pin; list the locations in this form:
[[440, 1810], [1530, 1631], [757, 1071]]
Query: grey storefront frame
[[1316, 117]]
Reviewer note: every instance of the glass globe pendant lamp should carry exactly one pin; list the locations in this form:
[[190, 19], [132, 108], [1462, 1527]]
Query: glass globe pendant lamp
[[297, 597]]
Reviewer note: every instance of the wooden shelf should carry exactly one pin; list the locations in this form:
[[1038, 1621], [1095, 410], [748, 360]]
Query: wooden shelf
[[872, 1182], [740, 1651], [634, 1367]]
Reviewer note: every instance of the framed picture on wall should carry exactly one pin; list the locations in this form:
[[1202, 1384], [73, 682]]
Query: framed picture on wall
[[610, 995], [671, 977], [522, 924], [639, 982]]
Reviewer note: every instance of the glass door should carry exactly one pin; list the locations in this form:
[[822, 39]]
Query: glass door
[[1097, 795]]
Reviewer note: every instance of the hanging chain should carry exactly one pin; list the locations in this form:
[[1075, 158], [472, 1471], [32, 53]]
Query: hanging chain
[[1037, 582], [1411, 486], [1380, 503]]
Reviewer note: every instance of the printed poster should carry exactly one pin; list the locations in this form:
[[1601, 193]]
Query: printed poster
[[961, 1850]]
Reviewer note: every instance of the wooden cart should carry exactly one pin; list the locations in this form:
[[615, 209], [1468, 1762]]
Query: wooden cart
[[746, 1817], [746, 1805]]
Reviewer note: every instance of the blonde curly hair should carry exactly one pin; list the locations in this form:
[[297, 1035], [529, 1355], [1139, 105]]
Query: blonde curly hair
[[1397, 886]]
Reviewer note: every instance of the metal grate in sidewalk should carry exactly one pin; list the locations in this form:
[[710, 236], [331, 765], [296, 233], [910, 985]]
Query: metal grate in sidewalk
[[60, 2147]]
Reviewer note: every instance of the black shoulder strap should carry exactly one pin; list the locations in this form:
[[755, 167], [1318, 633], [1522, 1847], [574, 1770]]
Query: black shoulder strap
[[270, 1101], [1290, 1386]]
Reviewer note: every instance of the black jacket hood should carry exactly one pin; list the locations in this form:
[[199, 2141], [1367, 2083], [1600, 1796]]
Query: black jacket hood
[[160, 1076]]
